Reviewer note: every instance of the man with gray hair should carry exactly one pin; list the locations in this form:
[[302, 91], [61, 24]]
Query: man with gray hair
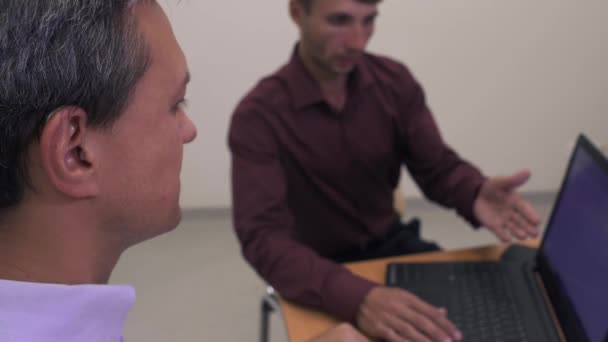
[[92, 130]]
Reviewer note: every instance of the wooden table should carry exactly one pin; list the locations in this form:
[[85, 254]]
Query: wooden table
[[303, 323]]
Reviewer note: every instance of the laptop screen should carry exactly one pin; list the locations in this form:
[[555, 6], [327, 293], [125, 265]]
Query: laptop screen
[[573, 260]]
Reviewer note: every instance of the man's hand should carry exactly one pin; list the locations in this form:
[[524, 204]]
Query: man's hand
[[499, 208], [397, 315], [341, 333]]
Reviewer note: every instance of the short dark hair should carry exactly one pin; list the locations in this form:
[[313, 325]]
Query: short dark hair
[[84, 53], [307, 4]]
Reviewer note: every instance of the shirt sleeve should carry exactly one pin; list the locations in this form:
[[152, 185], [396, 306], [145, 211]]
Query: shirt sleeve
[[441, 173], [264, 224]]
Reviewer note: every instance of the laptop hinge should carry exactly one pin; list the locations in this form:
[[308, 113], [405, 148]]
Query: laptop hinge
[[543, 290]]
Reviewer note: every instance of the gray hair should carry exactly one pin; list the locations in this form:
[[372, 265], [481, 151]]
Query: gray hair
[[54, 53], [307, 4]]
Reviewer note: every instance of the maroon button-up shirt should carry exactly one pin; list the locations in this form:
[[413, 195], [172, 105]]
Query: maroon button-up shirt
[[310, 183]]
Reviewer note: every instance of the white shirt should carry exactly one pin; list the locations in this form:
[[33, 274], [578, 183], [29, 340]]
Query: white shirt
[[35, 312]]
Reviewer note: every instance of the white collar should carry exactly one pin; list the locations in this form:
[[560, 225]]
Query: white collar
[[35, 312]]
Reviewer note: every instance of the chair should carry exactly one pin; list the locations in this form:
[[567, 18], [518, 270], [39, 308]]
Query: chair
[[269, 304], [399, 201]]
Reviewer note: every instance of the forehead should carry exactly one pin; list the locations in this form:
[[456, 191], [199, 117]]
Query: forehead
[[165, 53], [353, 7]]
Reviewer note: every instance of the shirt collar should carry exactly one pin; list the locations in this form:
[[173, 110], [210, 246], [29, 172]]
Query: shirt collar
[[63, 313], [304, 90]]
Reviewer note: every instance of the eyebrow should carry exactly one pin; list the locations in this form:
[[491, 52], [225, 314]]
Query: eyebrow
[[372, 16], [187, 78], [340, 15], [346, 15], [184, 83]]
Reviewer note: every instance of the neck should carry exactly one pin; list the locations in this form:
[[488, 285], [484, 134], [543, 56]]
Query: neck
[[332, 85], [326, 78], [55, 245]]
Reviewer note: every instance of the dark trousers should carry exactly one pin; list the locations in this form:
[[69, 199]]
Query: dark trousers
[[402, 238]]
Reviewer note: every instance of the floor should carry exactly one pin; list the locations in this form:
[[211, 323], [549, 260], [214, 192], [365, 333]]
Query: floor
[[193, 285]]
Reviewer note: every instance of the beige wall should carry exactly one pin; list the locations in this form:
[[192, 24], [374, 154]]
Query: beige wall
[[511, 82]]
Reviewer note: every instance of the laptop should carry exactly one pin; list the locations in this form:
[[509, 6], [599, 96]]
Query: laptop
[[558, 291]]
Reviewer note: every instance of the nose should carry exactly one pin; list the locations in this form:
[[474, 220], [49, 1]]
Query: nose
[[188, 130], [357, 40]]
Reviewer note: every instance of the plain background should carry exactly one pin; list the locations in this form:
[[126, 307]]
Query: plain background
[[511, 83]]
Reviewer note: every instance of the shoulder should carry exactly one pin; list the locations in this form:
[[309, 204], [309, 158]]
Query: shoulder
[[269, 93], [252, 120], [256, 110], [388, 71]]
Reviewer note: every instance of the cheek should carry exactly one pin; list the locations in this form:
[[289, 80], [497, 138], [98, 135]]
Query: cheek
[[335, 43], [322, 41], [152, 164], [140, 176], [157, 186], [370, 33], [167, 159]]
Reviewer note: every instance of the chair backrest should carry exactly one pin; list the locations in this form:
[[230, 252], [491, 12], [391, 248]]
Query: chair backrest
[[399, 201]]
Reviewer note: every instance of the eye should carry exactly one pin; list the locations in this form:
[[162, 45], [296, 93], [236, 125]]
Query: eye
[[369, 20], [339, 19], [180, 105]]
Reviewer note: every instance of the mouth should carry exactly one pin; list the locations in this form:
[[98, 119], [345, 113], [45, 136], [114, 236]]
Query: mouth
[[347, 61]]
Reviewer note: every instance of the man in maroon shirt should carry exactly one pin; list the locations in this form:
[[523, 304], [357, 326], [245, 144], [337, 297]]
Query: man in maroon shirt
[[317, 150]]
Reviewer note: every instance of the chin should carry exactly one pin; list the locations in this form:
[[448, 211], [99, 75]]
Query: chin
[[176, 218], [171, 222], [343, 71]]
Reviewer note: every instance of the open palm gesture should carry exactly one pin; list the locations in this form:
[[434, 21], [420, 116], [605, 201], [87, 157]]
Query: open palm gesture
[[503, 211]]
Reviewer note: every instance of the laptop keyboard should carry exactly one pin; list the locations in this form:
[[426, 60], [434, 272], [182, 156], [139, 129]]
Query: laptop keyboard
[[475, 295]]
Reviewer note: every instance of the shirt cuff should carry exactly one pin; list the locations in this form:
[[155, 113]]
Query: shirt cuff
[[343, 294], [466, 201]]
